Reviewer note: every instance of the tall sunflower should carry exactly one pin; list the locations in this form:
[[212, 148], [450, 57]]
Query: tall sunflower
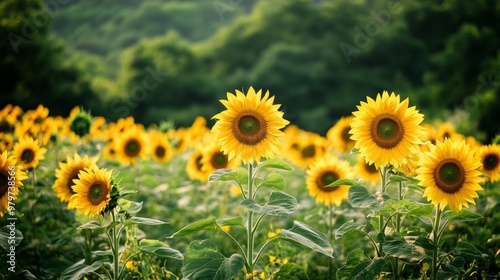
[[67, 172], [339, 136], [28, 152], [448, 173], [249, 129], [385, 129], [10, 181], [213, 159], [92, 191], [489, 155], [131, 144], [323, 172]]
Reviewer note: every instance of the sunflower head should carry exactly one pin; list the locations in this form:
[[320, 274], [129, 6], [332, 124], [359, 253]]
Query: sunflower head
[[386, 129], [249, 129], [339, 136], [11, 176], [367, 172], [28, 152], [131, 144], [194, 166], [449, 174], [489, 155], [323, 172], [160, 148], [213, 159], [80, 123]]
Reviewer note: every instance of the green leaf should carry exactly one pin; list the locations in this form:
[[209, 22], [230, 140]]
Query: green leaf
[[368, 269], [159, 248], [131, 207], [394, 206], [452, 269], [143, 221], [91, 225], [280, 204], [401, 178], [425, 243], [274, 181], [396, 246], [354, 258], [292, 271], [222, 175], [78, 270], [202, 260], [347, 227], [10, 236], [205, 224], [309, 237], [340, 182], [111, 225], [462, 216], [360, 198], [276, 163], [468, 251], [421, 210], [236, 221]]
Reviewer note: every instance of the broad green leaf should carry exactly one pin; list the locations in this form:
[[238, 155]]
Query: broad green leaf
[[202, 260], [368, 269], [340, 182], [205, 224], [126, 192], [361, 198], [394, 206], [91, 225], [396, 246], [347, 227], [280, 204], [462, 216], [222, 175], [421, 210], [468, 251], [143, 221], [111, 225], [401, 178], [354, 258], [274, 181], [236, 221], [309, 237], [159, 248], [131, 207], [425, 243], [78, 270], [292, 271], [276, 163], [10, 236], [452, 269]]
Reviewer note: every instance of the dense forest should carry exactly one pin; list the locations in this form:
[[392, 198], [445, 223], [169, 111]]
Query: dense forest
[[173, 60]]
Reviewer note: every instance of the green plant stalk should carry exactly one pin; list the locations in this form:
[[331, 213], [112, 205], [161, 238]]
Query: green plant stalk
[[398, 230], [115, 245], [436, 236], [250, 231], [330, 237], [381, 217]]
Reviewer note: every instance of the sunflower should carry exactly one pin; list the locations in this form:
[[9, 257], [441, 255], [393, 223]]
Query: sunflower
[[448, 173], [323, 172], [249, 129], [367, 172], [10, 181], [67, 172], [6, 142], [339, 136], [160, 148], [80, 122], [213, 159], [445, 130], [131, 144], [194, 166], [28, 152], [385, 129], [310, 147], [92, 191], [489, 155]]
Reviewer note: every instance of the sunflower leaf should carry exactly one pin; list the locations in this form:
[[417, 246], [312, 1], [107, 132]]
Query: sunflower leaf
[[302, 234], [7, 240], [202, 260], [340, 182], [396, 246], [276, 163], [222, 175], [462, 216], [274, 181], [401, 178], [279, 204], [354, 258], [347, 227], [368, 269], [468, 251], [236, 221], [292, 271], [200, 225], [361, 198], [91, 225], [143, 221], [79, 270], [131, 207], [159, 248]]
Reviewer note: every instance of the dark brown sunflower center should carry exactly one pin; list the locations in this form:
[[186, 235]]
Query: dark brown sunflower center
[[308, 151], [449, 175], [97, 193], [490, 161], [4, 183], [73, 175], [160, 151], [132, 148], [219, 161], [249, 127], [386, 131], [27, 156], [346, 136], [370, 168], [199, 163], [325, 179]]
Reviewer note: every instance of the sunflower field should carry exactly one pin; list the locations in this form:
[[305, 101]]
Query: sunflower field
[[383, 195]]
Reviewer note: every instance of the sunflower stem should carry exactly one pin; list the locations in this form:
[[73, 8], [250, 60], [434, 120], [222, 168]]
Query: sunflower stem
[[115, 241], [330, 237], [250, 231], [383, 173], [436, 236]]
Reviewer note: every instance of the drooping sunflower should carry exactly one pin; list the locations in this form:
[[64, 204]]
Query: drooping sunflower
[[367, 172], [339, 136], [160, 148], [92, 191], [385, 129], [194, 166], [28, 152], [449, 174], [489, 155], [323, 172], [131, 144], [213, 159], [249, 129], [11, 176], [67, 172]]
